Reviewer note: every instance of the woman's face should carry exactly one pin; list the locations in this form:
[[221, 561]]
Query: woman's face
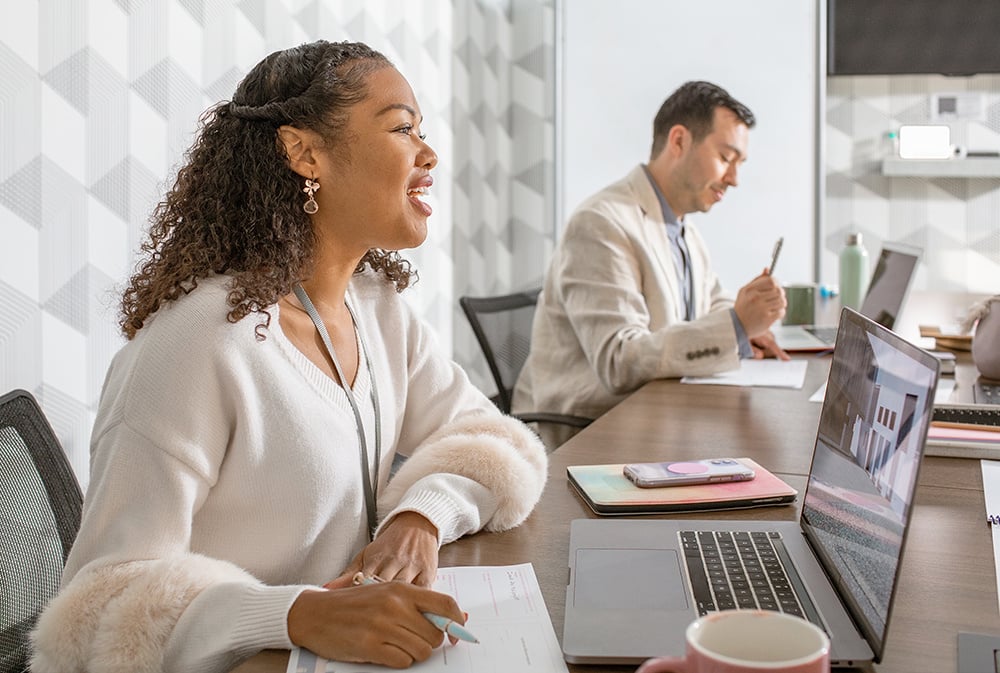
[[378, 171]]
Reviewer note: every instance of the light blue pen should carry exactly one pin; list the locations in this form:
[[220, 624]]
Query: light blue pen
[[449, 626]]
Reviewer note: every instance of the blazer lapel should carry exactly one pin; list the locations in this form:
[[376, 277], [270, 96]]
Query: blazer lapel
[[654, 233]]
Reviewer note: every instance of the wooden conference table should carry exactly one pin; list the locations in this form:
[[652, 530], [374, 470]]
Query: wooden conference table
[[948, 580]]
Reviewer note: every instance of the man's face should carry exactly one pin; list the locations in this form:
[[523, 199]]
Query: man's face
[[708, 167]]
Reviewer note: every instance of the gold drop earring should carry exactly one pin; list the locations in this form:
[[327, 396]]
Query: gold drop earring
[[310, 206]]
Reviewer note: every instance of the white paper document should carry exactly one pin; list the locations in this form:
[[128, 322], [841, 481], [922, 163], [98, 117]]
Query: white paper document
[[945, 389], [765, 373], [991, 493], [820, 394], [507, 614]]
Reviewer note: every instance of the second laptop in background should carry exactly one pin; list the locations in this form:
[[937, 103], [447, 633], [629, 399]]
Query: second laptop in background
[[890, 283]]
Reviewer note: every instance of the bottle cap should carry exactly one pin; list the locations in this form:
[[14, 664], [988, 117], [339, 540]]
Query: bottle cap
[[854, 239]]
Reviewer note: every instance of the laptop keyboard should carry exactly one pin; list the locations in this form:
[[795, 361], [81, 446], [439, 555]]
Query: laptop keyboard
[[745, 570], [986, 393], [827, 335]]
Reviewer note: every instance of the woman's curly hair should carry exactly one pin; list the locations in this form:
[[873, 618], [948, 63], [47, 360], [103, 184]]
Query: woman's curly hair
[[236, 206]]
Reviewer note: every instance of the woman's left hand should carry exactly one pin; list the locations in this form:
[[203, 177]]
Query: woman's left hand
[[406, 549]]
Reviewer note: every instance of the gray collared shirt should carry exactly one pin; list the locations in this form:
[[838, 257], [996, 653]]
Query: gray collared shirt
[[682, 262], [678, 248]]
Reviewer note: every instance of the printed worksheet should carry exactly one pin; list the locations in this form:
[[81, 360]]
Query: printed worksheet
[[506, 613]]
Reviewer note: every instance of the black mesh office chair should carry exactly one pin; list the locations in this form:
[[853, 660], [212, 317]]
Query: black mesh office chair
[[39, 519], [502, 326]]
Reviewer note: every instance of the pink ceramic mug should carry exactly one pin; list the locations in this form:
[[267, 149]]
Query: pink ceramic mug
[[748, 641]]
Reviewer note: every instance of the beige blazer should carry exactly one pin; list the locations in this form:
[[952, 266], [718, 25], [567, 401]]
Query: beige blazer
[[611, 313]]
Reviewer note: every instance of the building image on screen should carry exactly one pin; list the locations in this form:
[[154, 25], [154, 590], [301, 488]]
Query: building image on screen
[[868, 449]]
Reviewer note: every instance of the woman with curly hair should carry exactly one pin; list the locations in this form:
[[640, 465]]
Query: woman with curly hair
[[246, 431]]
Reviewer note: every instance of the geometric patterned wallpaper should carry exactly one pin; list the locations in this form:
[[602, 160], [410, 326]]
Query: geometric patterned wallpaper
[[99, 99], [504, 197], [955, 220]]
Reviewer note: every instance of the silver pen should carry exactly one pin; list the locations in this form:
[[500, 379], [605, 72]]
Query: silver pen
[[774, 255]]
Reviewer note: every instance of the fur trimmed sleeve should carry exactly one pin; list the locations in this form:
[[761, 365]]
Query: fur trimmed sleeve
[[498, 452], [118, 617]]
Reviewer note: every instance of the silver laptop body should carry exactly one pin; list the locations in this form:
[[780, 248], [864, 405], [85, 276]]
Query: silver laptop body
[[890, 283], [629, 595]]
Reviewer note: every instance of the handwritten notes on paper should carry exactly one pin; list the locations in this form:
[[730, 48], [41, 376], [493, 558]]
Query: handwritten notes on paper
[[507, 614]]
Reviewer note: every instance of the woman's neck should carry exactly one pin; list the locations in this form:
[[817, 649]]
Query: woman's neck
[[327, 286]]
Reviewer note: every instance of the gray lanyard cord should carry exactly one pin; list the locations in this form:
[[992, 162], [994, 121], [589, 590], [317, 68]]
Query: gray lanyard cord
[[370, 486]]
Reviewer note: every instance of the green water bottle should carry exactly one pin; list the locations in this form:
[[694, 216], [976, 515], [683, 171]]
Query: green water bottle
[[853, 272]]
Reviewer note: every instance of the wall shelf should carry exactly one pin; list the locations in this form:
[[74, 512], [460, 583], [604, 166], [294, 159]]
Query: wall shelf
[[972, 167]]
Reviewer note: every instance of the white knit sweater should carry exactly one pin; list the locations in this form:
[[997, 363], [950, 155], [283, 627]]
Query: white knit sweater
[[226, 479]]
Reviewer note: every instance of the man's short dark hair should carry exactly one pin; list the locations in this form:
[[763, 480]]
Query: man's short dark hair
[[693, 105]]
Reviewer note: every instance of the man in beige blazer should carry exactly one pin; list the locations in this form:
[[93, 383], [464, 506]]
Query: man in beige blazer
[[630, 294]]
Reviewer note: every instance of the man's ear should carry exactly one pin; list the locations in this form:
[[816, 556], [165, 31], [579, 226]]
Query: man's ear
[[299, 145], [678, 138]]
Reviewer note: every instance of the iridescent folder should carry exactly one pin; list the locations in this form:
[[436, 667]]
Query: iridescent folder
[[606, 491]]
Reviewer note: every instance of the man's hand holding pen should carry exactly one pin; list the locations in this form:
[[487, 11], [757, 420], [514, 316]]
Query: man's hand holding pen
[[759, 304]]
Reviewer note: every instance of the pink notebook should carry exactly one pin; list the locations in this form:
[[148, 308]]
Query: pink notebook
[[606, 491]]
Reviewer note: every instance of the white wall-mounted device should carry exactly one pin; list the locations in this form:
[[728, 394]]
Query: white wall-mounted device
[[918, 141]]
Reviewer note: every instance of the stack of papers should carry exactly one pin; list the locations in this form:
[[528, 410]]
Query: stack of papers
[[970, 431]]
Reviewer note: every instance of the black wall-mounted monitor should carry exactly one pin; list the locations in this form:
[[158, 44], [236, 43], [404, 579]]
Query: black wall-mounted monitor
[[919, 37]]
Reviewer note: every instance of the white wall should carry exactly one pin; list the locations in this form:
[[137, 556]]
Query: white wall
[[620, 61]]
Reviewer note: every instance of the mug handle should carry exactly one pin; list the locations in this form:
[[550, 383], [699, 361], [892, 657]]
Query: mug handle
[[663, 665]]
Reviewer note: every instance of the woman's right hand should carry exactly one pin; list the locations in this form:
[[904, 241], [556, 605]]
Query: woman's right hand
[[375, 623]]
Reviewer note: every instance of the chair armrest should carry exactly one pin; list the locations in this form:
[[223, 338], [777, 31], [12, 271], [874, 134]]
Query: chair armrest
[[563, 419]]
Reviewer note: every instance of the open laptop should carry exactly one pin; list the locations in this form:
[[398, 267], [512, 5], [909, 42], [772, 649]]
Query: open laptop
[[890, 283], [632, 583]]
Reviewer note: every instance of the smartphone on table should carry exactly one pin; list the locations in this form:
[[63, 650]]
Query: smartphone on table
[[685, 473]]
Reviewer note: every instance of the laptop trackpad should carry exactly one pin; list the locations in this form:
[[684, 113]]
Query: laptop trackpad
[[616, 579]]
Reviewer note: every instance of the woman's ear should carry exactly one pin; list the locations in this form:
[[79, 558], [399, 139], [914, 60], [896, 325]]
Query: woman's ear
[[299, 148]]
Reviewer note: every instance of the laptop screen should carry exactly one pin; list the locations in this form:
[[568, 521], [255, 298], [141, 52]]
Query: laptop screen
[[889, 283], [858, 501]]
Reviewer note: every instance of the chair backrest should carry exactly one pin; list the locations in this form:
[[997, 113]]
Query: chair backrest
[[39, 518], [502, 326]]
